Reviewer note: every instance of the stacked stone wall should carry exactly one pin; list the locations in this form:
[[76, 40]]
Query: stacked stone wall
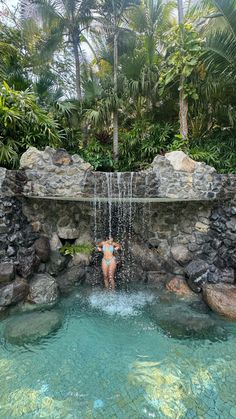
[[193, 237]]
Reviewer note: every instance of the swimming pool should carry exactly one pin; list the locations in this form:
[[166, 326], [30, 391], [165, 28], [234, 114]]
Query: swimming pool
[[136, 354]]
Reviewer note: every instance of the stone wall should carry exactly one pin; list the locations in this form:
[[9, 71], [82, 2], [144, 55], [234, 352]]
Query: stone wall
[[187, 227], [56, 174], [200, 233]]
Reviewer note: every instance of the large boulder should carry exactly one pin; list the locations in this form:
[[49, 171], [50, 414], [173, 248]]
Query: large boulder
[[14, 292], [154, 279], [69, 279], [30, 158], [7, 272], [42, 248], [197, 271], [182, 322], [57, 262], [43, 289], [80, 259], [147, 259], [29, 327], [55, 242], [221, 298], [179, 287], [27, 262], [180, 161], [181, 254]]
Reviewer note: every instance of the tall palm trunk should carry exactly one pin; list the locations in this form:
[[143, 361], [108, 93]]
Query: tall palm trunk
[[115, 112], [183, 102], [77, 69]]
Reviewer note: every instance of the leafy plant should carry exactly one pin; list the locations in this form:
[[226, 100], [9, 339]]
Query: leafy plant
[[23, 123], [184, 48], [73, 249]]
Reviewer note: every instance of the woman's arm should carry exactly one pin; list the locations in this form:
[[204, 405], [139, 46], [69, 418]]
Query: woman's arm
[[117, 246], [99, 246]]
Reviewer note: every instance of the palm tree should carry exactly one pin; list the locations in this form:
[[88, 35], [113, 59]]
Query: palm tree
[[112, 16], [149, 20], [220, 56], [183, 102], [67, 20]]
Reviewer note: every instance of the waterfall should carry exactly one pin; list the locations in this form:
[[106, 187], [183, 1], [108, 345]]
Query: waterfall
[[109, 198], [113, 217]]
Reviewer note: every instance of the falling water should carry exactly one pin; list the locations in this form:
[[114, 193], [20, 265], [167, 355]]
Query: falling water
[[109, 196], [114, 217]]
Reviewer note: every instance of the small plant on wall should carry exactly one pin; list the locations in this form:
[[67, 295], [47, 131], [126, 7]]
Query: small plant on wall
[[73, 249]]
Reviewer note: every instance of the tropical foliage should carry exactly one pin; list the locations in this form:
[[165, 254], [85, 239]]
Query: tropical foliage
[[120, 81], [23, 123]]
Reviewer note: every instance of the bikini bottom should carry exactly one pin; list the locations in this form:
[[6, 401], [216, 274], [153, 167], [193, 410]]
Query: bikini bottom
[[108, 261]]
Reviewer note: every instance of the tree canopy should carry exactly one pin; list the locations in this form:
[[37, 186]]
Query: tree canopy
[[119, 81]]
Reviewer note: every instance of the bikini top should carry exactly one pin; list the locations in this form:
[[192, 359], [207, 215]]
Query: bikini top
[[110, 248]]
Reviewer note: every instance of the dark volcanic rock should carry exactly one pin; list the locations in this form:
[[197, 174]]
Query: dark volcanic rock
[[196, 269], [57, 262], [42, 248], [7, 272], [27, 262], [14, 292], [194, 286], [70, 278], [43, 289], [149, 259]]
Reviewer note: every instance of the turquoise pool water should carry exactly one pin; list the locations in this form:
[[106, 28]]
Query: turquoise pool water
[[134, 354]]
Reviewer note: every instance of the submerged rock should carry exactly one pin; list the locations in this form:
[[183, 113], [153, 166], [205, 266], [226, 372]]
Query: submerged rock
[[184, 319], [221, 298], [30, 327], [43, 289], [185, 323]]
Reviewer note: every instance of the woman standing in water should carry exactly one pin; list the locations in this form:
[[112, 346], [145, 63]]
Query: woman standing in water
[[109, 261]]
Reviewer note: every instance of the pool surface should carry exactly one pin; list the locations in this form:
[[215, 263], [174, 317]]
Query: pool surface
[[137, 354]]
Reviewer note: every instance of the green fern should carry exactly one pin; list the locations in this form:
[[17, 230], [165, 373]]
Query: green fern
[[73, 249]]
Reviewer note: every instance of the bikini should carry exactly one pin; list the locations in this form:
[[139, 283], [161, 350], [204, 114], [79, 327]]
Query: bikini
[[111, 249]]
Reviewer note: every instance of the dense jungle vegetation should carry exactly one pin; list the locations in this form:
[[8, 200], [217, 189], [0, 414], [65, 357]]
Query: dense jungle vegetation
[[119, 81]]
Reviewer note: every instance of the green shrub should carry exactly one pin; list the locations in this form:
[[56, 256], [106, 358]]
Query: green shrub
[[23, 123], [142, 143]]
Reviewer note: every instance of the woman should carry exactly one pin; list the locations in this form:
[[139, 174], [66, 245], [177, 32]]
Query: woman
[[109, 261]]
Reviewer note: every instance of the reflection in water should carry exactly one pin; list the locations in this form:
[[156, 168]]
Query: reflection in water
[[114, 355]]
